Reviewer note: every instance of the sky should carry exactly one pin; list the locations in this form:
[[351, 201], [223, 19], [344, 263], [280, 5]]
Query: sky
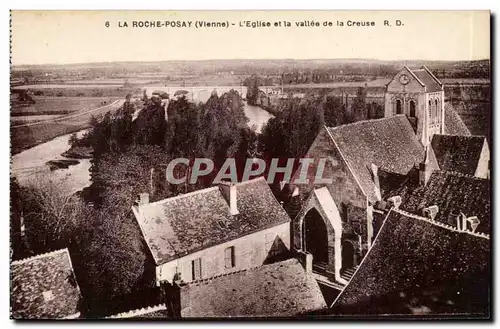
[[63, 37]]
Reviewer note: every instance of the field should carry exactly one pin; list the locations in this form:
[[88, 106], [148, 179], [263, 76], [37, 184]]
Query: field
[[24, 136], [58, 105]]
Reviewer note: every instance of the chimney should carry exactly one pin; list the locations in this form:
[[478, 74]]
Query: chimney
[[306, 260], [424, 168], [465, 223], [394, 201], [229, 192], [374, 172], [430, 212], [143, 199]]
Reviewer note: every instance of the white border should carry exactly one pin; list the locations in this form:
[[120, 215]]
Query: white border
[[196, 4]]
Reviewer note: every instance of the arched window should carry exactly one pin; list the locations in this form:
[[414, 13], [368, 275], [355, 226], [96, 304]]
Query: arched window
[[438, 114], [399, 109], [412, 109], [430, 111]]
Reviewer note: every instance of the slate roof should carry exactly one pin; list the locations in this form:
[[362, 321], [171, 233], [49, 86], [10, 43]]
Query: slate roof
[[44, 287], [280, 289], [453, 193], [458, 153], [389, 143], [453, 124], [418, 268], [181, 225], [430, 84]]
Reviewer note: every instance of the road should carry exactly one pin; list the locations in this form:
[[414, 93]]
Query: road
[[108, 107]]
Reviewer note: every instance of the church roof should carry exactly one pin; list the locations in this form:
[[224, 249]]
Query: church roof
[[389, 143], [281, 289], [416, 267], [458, 153], [44, 287], [430, 83], [453, 193], [181, 225], [453, 124]]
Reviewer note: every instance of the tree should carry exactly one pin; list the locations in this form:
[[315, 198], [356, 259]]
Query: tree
[[358, 107]]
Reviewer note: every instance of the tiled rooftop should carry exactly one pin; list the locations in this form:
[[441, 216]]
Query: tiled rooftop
[[44, 287], [389, 143], [458, 153], [187, 223], [280, 289], [453, 193], [453, 124], [418, 268], [430, 84]]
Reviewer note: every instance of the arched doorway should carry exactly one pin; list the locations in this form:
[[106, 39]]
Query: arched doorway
[[399, 107], [348, 260], [315, 236], [412, 109]]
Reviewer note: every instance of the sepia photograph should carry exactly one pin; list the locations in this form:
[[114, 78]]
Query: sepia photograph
[[222, 165]]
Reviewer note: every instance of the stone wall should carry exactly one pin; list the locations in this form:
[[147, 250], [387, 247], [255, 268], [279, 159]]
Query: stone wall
[[250, 251]]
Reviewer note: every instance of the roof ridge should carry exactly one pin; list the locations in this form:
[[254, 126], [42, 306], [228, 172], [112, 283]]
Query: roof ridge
[[464, 136], [139, 311], [180, 196], [39, 256], [443, 225], [249, 269], [212, 278], [460, 174], [365, 121]]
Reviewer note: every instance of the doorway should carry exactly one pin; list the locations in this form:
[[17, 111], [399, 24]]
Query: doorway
[[316, 237]]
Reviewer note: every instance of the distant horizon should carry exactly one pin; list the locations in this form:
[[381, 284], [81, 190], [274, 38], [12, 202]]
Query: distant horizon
[[249, 59]]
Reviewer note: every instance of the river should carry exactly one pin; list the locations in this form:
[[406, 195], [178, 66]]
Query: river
[[30, 165]]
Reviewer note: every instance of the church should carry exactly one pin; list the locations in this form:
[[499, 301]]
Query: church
[[369, 161]]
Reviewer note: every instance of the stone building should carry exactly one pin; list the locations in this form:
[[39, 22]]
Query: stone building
[[363, 162], [214, 231], [419, 95]]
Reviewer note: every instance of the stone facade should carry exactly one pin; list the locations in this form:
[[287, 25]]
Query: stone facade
[[349, 200], [423, 108], [250, 251]]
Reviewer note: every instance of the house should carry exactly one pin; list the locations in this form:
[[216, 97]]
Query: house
[[465, 154], [45, 287], [281, 289], [420, 267], [214, 231]]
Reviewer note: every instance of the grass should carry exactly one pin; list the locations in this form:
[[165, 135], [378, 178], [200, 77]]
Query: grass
[[59, 105], [24, 137]]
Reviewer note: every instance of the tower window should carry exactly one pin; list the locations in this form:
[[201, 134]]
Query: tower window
[[398, 107], [412, 109], [438, 116], [430, 112]]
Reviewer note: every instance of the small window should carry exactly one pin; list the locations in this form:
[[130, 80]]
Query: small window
[[196, 268], [229, 257]]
